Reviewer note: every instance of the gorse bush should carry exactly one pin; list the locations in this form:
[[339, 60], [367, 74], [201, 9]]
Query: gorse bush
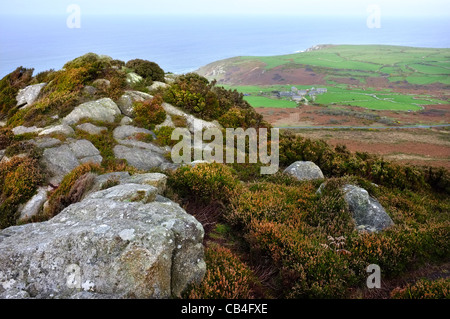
[[226, 277], [19, 179], [204, 182], [150, 112], [146, 69]]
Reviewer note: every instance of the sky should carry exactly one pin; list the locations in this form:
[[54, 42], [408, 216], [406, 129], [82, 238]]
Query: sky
[[407, 8]]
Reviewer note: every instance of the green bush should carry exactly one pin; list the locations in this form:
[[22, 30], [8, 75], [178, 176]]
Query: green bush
[[204, 182], [198, 96], [147, 69], [150, 113], [164, 136]]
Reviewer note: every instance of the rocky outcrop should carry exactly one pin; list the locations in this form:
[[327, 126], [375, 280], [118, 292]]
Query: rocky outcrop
[[368, 213], [116, 243], [29, 95], [101, 110], [304, 171], [61, 160]]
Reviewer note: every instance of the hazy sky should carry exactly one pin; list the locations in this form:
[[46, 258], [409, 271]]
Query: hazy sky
[[293, 7]]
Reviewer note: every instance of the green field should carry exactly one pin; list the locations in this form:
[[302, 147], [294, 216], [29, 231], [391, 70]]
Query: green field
[[260, 96], [414, 65]]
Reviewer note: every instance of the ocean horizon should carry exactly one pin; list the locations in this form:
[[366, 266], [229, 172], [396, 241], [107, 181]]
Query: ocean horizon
[[181, 44]]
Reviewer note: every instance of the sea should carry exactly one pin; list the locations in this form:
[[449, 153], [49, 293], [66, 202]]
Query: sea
[[181, 44]]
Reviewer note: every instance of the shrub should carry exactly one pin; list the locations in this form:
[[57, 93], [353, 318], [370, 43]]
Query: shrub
[[147, 69], [150, 112], [10, 86], [19, 179], [204, 182], [226, 277], [72, 188], [164, 136], [6, 138], [198, 96], [424, 289]]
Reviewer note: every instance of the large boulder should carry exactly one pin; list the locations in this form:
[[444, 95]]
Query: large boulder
[[29, 95], [114, 244], [368, 213], [101, 110], [61, 160], [304, 171]]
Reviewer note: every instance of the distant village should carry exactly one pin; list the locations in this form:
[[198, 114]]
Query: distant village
[[300, 95]]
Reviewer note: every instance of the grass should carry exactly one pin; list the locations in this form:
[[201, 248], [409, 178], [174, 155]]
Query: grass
[[415, 65], [261, 101], [369, 98]]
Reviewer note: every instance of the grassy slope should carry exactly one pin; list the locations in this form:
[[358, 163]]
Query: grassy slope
[[419, 66], [400, 62]]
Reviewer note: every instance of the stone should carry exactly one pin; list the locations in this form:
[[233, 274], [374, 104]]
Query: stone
[[156, 85], [127, 192], [19, 130], [59, 162], [304, 171], [133, 78], [126, 121], [46, 142], [2, 153], [101, 84], [62, 129], [29, 94], [34, 205], [193, 122], [83, 148], [91, 128], [2, 123], [139, 158], [101, 110], [126, 131], [89, 90], [127, 100], [368, 213], [97, 159], [102, 247], [157, 180]]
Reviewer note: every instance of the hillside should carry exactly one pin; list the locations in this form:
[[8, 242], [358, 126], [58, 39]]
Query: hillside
[[362, 65], [93, 204]]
